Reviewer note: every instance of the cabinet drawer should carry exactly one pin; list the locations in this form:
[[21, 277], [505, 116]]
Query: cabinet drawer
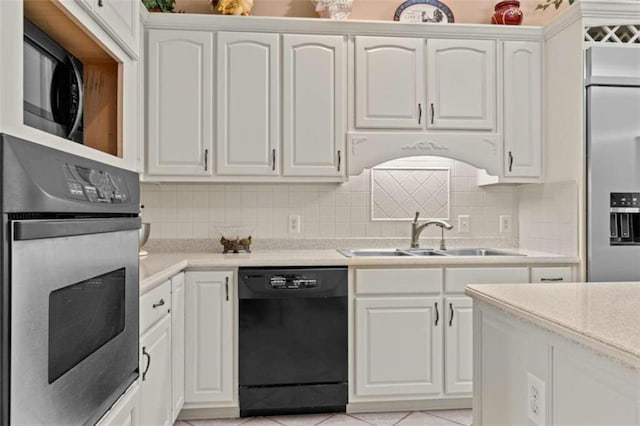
[[398, 281], [552, 275], [456, 279], [154, 305]]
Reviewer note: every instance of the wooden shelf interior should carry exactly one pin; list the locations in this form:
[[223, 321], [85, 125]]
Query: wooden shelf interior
[[102, 74]]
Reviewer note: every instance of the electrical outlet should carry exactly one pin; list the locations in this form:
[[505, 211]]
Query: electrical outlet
[[463, 223], [536, 410], [294, 223], [505, 224]]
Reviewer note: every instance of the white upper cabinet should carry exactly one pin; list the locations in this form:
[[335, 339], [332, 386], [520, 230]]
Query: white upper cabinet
[[522, 108], [314, 105], [248, 103], [120, 18], [179, 102], [389, 82], [461, 88]]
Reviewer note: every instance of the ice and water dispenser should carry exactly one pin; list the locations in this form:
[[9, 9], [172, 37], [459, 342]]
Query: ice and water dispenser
[[624, 213]]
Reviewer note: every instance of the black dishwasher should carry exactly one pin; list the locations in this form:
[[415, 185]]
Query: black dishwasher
[[293, 340]]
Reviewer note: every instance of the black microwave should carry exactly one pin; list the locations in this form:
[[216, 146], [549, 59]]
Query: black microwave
[[53, 90]]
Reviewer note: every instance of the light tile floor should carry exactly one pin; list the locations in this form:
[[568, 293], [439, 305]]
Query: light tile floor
[[411, 418]]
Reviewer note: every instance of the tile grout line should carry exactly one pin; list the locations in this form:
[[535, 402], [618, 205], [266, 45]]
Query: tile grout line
[[353, 416], [405, 416], [444, 418], [332, 415]]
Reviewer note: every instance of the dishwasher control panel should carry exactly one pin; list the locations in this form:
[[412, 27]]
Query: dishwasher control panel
[[292, 281]]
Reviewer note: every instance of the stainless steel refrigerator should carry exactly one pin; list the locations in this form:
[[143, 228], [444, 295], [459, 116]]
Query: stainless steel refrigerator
[[613, 163]]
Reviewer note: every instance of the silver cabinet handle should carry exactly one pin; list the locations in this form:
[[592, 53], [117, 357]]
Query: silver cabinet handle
[[339, 159], [437, 314], [433, 113], [160, 303], [226, 288], [148, 356], [419, 113], [451, 311], [206, 160], [273, 160], [551, 280], [510, 161]]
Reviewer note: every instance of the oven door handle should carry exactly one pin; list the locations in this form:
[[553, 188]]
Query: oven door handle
[[41, 229]]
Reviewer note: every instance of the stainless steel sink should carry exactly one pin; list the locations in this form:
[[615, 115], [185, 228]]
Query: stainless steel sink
[[479, 252], [373, 253], [388, 252], [425, 252]]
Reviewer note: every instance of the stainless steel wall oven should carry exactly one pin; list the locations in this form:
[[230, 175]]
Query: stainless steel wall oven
[[69, 299]]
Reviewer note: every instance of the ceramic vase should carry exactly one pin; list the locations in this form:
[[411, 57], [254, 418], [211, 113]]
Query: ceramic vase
[[507, 13], [333, 9]]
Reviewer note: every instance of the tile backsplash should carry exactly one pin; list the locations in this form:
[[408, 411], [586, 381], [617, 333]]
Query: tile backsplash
[[331, 211], [548, 218]]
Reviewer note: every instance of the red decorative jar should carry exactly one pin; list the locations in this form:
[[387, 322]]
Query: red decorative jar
[[507, 13]]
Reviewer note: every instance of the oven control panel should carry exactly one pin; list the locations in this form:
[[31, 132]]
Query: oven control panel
[[95, 186], [292, 282]]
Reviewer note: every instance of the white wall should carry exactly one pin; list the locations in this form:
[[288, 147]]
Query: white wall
[[194, 211]]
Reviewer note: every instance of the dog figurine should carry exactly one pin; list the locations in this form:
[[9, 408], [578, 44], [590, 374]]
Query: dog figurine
[[235, 245]]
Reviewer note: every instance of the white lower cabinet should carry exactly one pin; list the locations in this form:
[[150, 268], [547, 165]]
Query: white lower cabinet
[[177, 343], [156, 374], [209, 368], [399, 345], [458, 345], [557, 274], [413, 330], [126, 412]]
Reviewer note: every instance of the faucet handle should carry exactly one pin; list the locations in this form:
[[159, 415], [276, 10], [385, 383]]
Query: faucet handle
[[415, 219]]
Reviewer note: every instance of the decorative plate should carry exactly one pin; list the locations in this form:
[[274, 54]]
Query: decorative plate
[[429, 11]]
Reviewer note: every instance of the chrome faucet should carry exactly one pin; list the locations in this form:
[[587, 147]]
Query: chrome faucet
[[416, 230]]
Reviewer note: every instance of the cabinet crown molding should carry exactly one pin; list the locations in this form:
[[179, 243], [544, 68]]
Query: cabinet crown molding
[[345, 28]]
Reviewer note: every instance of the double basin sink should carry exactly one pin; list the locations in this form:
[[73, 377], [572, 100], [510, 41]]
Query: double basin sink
[[425, 252]]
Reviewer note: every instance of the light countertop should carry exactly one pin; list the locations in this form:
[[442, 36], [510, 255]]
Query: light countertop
[[158, 267], [602, 316]]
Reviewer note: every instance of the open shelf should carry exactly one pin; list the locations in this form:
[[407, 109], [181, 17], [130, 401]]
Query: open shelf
[[102, 74]]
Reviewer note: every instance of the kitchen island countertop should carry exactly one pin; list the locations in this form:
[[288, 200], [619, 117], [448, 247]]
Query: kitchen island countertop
[[158, 267], [604, 317]]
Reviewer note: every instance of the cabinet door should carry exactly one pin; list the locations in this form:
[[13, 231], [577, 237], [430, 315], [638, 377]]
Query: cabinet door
[[209, 338], [461, 89], [177, 342], [558, 274], [458, 340], [121, 18], [314, 105], [389, 82], [156, 374], [248, 104], [398, 346], [522, 108], [125, 412], [179, 102]]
